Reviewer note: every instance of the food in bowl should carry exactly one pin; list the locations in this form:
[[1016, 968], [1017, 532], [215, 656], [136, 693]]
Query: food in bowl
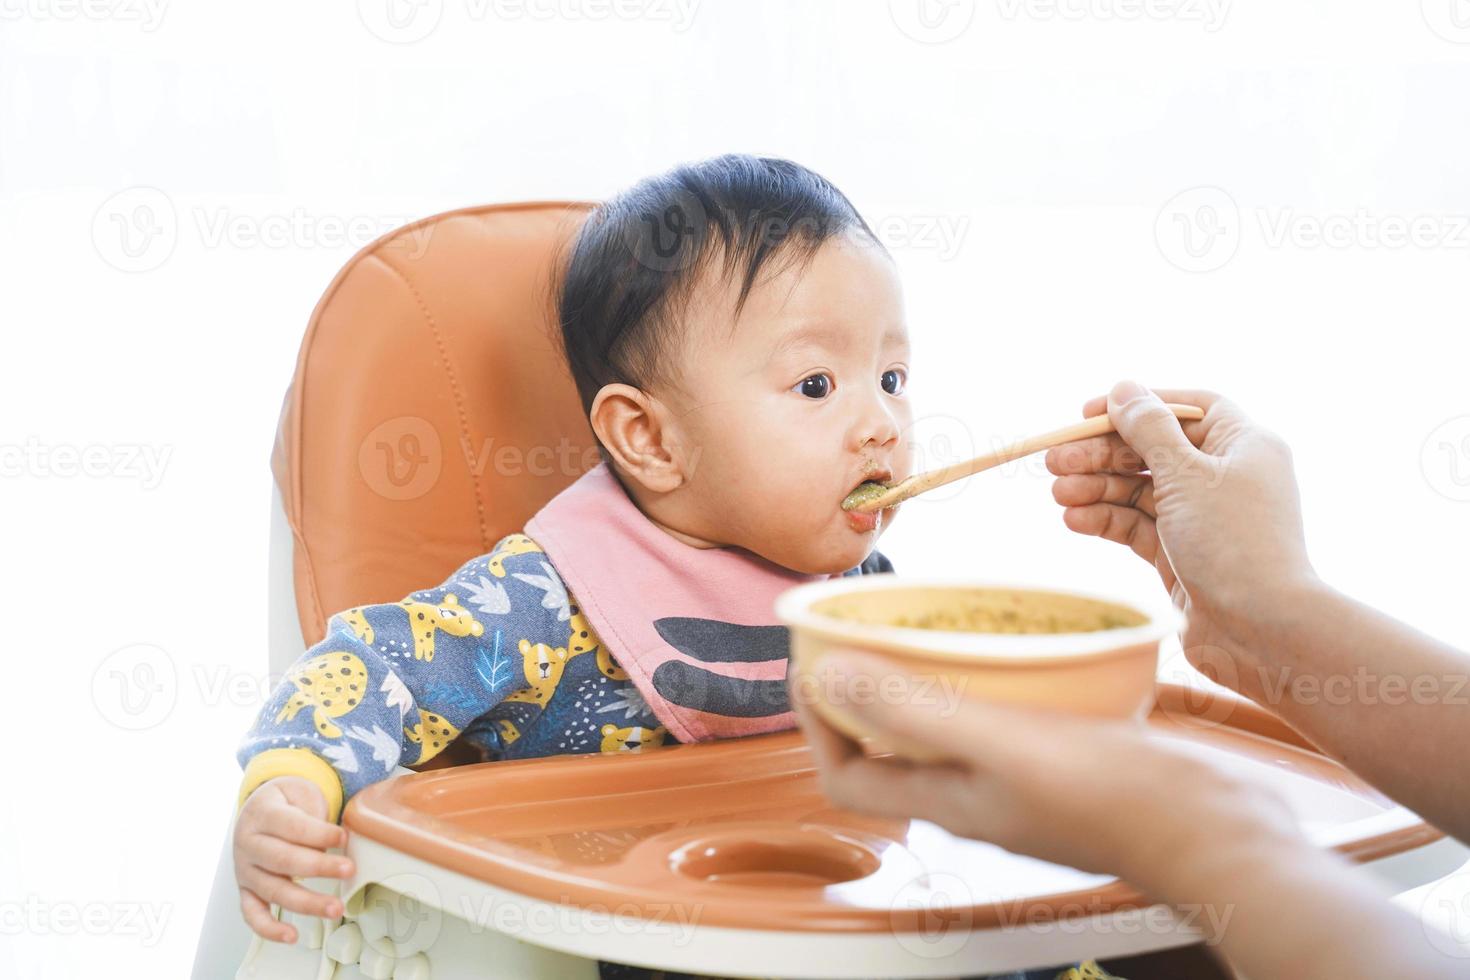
[[993, 611], [1045, 648]]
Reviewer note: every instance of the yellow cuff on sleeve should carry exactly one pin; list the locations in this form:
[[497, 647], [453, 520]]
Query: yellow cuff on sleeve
[[294, 762]]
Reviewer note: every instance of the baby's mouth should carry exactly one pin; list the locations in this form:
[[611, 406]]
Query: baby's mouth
[[872, 485]]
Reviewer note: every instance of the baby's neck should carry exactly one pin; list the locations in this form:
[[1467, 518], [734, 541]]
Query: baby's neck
[[689, 539], [677, 535]]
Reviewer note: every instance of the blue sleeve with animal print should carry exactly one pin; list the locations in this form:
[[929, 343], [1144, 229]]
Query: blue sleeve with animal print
[[393, 684], [492, 655]]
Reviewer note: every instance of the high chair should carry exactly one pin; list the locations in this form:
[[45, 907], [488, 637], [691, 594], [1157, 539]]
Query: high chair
[[429, 415]]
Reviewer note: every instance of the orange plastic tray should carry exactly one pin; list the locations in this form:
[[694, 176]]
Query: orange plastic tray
[[740, 831]]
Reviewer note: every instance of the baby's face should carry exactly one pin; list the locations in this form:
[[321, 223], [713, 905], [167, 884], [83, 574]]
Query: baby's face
[[789, 410]]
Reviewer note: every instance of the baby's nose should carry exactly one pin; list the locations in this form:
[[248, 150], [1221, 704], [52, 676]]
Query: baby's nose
[[878, 429]]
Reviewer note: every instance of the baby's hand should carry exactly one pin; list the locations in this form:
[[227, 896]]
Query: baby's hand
[[282, 833]]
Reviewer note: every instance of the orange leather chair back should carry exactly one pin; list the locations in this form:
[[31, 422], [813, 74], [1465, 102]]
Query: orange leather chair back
[[431, 412]]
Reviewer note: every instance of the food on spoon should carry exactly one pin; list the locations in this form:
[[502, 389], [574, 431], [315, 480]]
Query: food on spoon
[[863, 493]]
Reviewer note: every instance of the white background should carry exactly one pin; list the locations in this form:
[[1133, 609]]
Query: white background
[[1024, 159]]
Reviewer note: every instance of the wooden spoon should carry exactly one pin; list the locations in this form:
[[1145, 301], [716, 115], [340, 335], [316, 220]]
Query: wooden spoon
[[865, 501]]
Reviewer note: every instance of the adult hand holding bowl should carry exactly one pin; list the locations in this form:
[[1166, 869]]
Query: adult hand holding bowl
[[1212, 507], [945, 640]]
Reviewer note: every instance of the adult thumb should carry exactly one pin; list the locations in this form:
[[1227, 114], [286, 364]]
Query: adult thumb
[[1149, 428]]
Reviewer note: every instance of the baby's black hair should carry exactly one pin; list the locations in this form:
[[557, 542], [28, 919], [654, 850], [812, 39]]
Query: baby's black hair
[[633, 263]]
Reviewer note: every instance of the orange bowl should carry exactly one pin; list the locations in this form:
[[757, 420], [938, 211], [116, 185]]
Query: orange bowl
[[950, 640]]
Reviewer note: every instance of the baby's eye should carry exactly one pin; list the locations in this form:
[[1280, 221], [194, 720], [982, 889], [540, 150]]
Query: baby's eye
[[816, 386], [893, 381]]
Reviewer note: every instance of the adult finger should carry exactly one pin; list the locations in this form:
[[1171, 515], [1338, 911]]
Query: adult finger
[[1098, 404], [1147, 425], [828, 745], [1108, 453], [1126, 526], [1079, 490], [1216, 408], [985, 736], [1122, 525], [953, 797]]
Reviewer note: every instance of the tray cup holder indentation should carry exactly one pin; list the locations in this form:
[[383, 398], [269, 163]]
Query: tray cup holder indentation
[[786, 858]]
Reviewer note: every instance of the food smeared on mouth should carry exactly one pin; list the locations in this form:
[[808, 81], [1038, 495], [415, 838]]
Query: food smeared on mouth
[[864, 492]]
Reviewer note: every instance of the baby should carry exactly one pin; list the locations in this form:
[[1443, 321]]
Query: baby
[[737, 336]]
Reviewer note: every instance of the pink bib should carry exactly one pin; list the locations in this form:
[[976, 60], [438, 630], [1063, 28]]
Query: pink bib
[[695, 628]]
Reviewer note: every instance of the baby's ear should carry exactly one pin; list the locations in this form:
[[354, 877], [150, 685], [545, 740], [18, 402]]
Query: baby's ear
[[640, 436]]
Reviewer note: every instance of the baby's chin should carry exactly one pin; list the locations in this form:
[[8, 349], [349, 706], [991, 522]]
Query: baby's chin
[[824, 554]]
